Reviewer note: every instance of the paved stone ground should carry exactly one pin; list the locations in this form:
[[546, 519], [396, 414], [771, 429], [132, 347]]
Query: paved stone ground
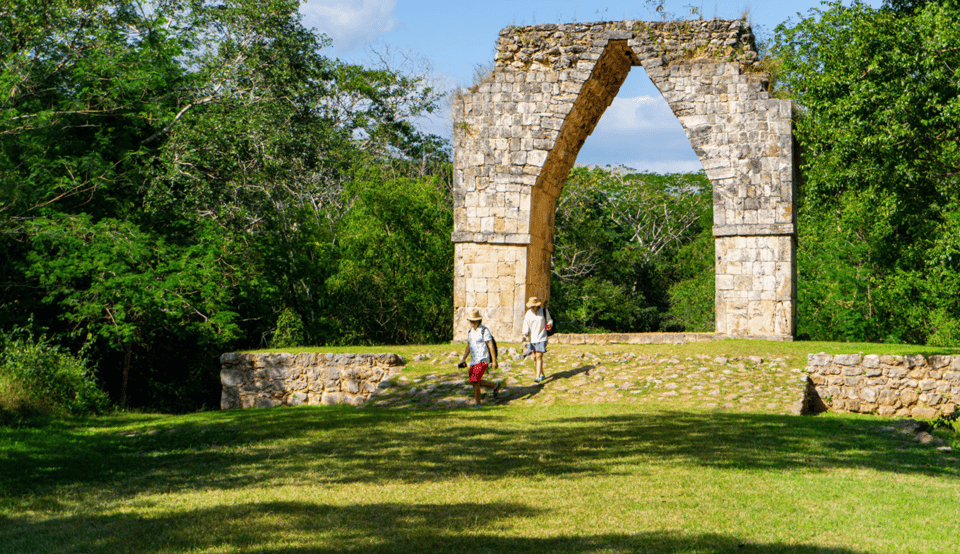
[[574, 377]]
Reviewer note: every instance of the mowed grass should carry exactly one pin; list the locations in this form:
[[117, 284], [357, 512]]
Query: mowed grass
[[610, 477]]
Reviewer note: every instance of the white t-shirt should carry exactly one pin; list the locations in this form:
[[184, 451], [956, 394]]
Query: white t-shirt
[[477, 339], [534, 324]]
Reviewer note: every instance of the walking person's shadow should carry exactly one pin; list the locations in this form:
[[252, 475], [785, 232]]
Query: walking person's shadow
[[529, 391]]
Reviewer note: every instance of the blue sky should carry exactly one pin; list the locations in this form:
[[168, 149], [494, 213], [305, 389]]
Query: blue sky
[[453, 38]]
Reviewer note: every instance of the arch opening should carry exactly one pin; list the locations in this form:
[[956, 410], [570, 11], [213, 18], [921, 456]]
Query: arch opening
[[633, 249]]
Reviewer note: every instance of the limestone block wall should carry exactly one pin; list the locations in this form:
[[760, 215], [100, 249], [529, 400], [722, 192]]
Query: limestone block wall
[[755, 286], [632, 338], [517, 134], [271, 380], [903, 386], [490, 277]]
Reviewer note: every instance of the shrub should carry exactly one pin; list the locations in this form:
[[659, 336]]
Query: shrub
[[289, 330], [37, 377]]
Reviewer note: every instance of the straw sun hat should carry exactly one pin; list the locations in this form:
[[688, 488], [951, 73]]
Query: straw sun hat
[[534, 301], [474, 315]]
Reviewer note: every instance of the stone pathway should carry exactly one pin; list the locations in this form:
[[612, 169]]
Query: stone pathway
[[575, 377]]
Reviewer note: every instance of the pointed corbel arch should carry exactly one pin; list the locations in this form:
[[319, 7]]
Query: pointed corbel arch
[[517, 135]]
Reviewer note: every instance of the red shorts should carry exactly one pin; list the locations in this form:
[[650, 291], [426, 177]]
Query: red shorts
[[477, 371]]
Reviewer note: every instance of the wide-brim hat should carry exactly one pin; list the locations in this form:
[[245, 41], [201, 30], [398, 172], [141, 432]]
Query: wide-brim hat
[[474, 315], [534, 301]]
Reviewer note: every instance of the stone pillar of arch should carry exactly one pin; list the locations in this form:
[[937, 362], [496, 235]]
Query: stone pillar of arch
[[517, 134]]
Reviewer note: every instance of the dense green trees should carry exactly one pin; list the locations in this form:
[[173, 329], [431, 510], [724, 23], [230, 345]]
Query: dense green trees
[[633, 252], [175, 176], [878, 101], [183, 177]]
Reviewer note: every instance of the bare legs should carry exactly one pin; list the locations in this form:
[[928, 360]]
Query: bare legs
[[538, 360], [476, 389]]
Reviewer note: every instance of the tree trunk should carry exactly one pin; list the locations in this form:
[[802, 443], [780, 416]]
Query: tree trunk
[[126, 375]]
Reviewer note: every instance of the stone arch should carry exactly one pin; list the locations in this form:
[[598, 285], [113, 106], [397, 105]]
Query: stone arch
[[517, 134]]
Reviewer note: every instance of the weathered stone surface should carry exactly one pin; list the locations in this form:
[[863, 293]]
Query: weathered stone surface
[[894, 385], [282, 373], [896, 372], [853, 382], [851, 371], [267, 402], [632, 338], [293, 380], [869, 394], [517, 134], [296, 399], [886, 411], [330, 398], [889, 398], [924, 413], [353, 399], [909, 397], [819, 360], [230, 399], [847, 359], [230, 378], [914, 361], [938, 362]]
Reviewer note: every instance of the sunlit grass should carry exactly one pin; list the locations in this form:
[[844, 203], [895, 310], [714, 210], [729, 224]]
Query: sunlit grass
[[594, 478]]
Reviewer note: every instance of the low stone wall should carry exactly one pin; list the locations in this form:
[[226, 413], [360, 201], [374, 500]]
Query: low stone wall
[[270, 380], [914, 386], [633, 338]]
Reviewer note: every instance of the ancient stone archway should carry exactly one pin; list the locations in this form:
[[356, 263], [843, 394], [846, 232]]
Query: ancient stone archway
[[517, 135]]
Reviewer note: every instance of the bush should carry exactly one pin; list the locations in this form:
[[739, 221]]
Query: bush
[[39, 378], [289, 330]]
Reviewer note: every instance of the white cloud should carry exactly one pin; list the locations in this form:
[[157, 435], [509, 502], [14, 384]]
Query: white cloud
[[642, 133], [350, 23], [638, 113]]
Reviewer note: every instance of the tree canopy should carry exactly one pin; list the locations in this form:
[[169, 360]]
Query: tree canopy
[[878, 122], [633, 252], [176, 175]]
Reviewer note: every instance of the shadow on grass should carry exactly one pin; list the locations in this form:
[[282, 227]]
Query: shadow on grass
[[570, 373], [320, 529], [225, 450], [524, 392]]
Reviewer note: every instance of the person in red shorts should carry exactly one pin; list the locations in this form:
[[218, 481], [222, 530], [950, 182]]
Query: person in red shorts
[[482, 355]]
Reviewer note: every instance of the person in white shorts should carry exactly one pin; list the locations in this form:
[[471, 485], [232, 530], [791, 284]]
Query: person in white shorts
[[536, 323]]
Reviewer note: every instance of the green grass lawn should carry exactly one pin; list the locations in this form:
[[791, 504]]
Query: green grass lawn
[[597, 478]]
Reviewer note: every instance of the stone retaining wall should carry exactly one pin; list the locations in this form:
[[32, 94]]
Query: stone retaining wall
[[633, 338], [914, 386], [271, 380]]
